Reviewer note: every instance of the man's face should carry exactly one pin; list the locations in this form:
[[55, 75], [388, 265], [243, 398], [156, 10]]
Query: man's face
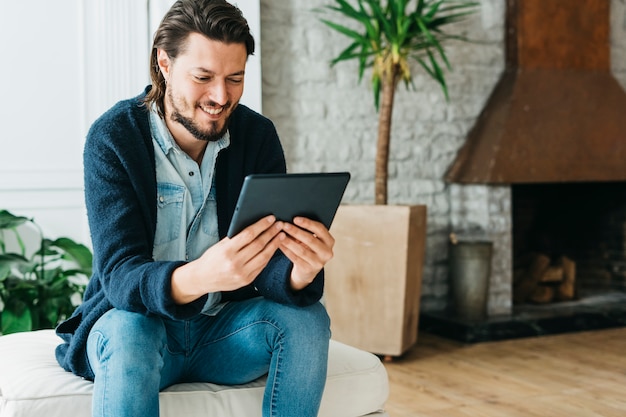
[[204, 85]]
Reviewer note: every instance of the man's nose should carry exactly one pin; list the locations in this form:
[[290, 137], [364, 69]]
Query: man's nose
[[218, 93]]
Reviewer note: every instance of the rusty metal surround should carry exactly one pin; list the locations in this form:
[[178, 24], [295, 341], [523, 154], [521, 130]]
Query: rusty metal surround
[[553, 116]]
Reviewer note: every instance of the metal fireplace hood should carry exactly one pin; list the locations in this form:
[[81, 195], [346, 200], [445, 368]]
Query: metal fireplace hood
[[557, 114]]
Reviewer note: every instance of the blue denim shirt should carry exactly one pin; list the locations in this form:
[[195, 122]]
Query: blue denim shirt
[[186, 206]]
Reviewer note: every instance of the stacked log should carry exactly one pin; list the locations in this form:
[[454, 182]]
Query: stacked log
[[541, 280]]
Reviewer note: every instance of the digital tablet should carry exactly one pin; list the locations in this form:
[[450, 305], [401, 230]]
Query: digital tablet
[[313, 195]]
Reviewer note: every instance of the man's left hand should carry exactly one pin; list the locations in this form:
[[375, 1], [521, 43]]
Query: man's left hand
[[309, 245]]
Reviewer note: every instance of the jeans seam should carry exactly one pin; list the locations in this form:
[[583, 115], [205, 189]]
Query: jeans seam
[[103, 371], [275, 387], [226, 336]]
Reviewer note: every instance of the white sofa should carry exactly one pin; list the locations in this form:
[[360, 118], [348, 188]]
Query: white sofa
[[32, 384]]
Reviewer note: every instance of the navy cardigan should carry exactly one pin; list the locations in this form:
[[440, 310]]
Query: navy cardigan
[[120, 195]]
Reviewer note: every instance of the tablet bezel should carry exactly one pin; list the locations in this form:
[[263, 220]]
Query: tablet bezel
[[313, 195]]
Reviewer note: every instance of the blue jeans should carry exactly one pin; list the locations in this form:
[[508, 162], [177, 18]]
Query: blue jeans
[[134, 356]]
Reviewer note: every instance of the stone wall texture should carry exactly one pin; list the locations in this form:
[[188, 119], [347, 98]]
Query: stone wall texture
[[327, 122]]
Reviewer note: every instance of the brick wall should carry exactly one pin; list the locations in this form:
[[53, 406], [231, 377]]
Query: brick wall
[[327, 122]]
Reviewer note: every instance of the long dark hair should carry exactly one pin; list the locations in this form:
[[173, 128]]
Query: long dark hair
[[216, 19]]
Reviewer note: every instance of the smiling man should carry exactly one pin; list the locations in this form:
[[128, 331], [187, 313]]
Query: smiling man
[[171, 298]]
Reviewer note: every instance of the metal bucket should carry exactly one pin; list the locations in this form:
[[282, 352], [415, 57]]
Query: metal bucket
[[470, 270]]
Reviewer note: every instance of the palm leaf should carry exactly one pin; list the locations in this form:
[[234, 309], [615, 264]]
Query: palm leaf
[[434, 72], [372, 29], [459, 5], [433, 10], [347, 54], [379, 16], [346, 31], [389, 29]]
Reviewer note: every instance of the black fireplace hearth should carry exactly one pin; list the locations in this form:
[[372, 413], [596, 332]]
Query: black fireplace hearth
[[592, 313]]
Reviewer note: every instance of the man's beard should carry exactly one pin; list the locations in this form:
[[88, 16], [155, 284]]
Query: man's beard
[[210, 135]]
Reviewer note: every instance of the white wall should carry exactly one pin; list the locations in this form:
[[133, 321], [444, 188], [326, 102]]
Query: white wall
[[67, 61], [41, 112]]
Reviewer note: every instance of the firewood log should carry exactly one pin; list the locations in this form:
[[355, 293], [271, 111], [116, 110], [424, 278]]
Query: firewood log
[[553, 274], [567, 289], [525, 288], [542, 294]]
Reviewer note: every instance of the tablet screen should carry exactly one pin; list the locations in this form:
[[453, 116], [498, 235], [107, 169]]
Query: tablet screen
[[313, 195]]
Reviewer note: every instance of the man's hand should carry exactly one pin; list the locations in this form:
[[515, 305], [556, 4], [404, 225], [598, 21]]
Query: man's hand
[[230, 264], [309, 245]]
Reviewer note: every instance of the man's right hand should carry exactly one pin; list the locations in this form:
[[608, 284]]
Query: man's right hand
[[230, 264]]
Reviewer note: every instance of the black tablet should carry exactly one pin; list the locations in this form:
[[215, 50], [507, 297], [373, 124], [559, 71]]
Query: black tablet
[[313, 195]]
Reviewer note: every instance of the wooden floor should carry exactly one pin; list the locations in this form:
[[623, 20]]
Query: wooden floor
[[574, 374]]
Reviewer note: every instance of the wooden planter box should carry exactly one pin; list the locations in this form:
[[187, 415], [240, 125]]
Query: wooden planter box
[[373, 284]]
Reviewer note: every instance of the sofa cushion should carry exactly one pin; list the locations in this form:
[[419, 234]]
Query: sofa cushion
[[32, 384]]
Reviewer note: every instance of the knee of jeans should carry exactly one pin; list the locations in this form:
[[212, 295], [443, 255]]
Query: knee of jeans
[[134, 331], [312, 321]]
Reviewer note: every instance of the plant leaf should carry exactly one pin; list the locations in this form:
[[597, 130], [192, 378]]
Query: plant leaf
[[346, 31], [13, 322], [76, 252], [38, 292], [11, 221], [5, 271], [17, 262], [391, 33]]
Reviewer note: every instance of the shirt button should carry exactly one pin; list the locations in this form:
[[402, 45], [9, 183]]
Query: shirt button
[[191, 173], [161, 199]]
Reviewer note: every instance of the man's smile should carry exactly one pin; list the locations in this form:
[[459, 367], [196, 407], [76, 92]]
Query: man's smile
[[213, 111]]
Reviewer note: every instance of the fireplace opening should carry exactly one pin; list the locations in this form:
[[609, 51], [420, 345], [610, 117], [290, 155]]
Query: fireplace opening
[[569, 242]]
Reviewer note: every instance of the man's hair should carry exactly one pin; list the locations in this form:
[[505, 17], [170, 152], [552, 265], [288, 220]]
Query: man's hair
[[216, 19]]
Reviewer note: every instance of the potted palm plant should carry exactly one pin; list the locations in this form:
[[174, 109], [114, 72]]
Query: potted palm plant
[[38, 286], [381, 266]]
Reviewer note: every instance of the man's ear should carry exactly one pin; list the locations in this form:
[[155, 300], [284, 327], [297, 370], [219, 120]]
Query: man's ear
[[164, 62]]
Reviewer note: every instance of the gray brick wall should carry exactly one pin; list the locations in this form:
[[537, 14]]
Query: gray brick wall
[[327, 122]]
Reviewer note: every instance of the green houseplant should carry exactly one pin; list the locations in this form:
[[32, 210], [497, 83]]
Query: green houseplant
[[37, 290], [390, 33], [374, 281]]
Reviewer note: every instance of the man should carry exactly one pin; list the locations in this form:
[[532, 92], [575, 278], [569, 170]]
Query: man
[[171, 298]]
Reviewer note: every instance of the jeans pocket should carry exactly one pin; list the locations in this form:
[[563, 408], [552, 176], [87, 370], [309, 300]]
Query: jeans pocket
[[170, 199]]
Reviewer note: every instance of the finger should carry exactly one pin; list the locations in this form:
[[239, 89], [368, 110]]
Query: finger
[[251, 232], [299, 249], [261, 242], [256, 263], [309, 250], [248, 263], [317, 243], [317, 229], [301, 235], [303, 263]]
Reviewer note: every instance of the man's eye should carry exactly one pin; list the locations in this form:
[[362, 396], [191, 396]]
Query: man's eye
[[202, 79], [235, 80]]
